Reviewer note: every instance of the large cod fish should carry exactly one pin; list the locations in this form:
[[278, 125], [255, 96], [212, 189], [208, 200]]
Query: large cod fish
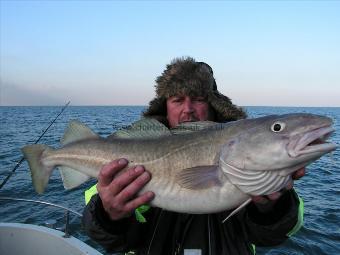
[[210, 170]]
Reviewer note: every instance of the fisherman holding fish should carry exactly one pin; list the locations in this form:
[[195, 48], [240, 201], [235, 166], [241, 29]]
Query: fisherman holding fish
[[185, 92], [217, 183]]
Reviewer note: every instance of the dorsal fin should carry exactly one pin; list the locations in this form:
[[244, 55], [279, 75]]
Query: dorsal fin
[[77, 131], [188, 127], [144, 128]]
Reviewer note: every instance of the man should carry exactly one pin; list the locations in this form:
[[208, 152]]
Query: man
[[185, 92]]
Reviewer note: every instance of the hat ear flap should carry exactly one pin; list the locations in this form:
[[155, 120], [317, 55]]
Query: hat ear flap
[[157, 110], [157, 106]]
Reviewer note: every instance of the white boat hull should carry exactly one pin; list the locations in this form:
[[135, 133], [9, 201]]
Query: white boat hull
[[26, 239]]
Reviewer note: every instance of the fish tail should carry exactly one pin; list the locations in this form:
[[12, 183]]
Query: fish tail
[[39, 172]]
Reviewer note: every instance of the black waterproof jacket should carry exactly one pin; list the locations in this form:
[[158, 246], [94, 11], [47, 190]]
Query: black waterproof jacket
[[177, 233]]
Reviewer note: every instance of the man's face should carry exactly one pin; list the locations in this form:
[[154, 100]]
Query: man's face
[[186, 109]]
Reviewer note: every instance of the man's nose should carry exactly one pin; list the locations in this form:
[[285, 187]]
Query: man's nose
[[188, 106]]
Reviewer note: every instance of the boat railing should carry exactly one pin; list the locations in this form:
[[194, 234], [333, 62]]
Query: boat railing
[[67, 210]]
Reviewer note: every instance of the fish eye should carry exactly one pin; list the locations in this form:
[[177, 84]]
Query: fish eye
[[278, 126]]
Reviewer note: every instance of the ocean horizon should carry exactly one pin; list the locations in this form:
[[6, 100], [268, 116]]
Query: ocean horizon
[[128, 105]]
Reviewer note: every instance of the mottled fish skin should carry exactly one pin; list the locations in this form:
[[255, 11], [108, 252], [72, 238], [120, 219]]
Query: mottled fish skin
[[207, 171]]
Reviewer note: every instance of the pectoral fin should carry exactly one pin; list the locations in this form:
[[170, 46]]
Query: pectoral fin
[[199, 177]]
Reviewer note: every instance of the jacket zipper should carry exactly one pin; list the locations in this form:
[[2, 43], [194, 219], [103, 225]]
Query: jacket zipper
[[178, 248]]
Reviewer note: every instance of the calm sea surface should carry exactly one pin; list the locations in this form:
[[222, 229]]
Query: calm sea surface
[[19, 126]]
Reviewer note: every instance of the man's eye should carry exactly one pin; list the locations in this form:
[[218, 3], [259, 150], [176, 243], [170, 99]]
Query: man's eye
[[200, 100], [177, 100]]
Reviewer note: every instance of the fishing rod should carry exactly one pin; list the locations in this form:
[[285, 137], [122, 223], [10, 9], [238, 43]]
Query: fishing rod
[[23, 158]]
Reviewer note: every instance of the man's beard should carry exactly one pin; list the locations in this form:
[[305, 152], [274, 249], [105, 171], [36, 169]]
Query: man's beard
[[188, 118]]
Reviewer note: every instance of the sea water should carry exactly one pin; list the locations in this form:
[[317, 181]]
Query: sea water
[[19, 126]]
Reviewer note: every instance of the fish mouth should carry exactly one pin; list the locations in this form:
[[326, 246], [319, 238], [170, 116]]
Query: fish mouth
[[313, 141]]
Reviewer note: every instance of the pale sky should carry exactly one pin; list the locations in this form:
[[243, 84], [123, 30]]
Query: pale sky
[[278, 53]]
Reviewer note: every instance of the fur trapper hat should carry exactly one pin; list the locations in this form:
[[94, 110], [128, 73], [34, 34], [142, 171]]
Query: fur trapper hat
[[185, 76]]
